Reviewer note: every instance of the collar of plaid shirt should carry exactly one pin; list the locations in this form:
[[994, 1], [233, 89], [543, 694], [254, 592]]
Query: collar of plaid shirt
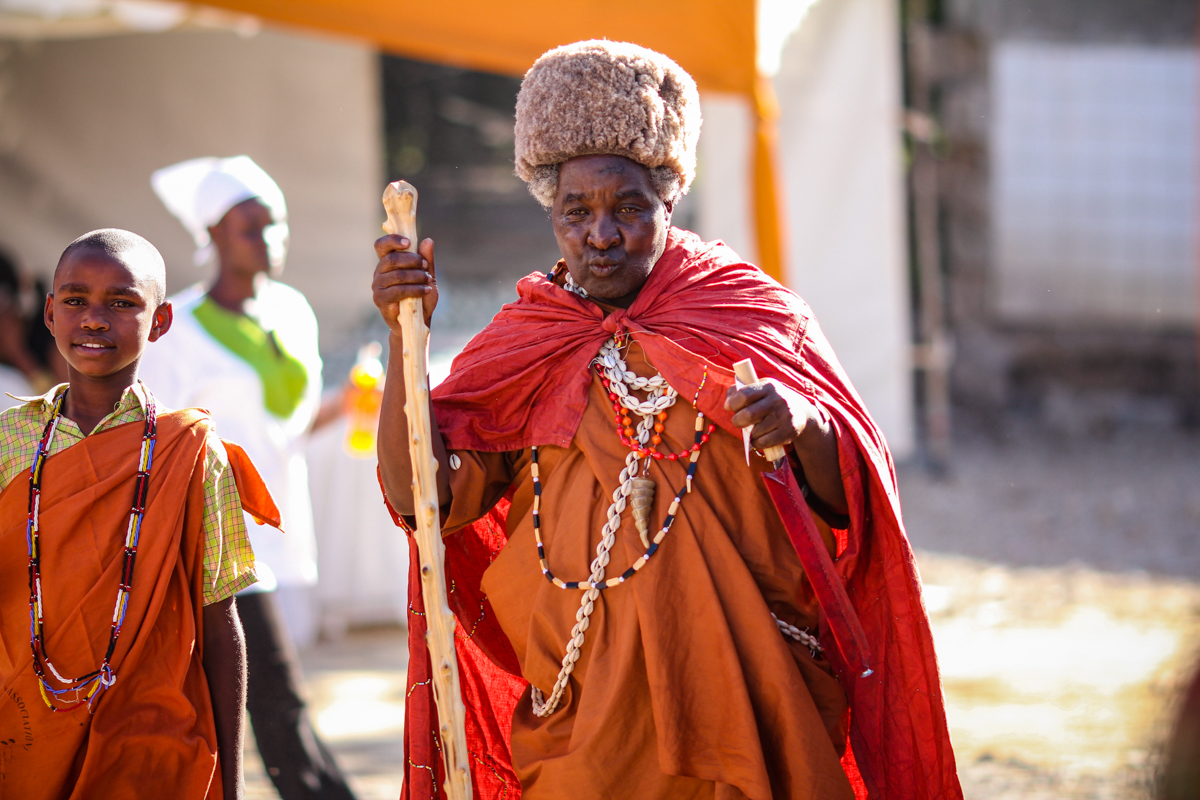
[[22, 426]]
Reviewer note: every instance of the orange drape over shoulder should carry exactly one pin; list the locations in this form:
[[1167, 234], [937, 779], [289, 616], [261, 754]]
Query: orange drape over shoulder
[[256, 500], [152, 733]]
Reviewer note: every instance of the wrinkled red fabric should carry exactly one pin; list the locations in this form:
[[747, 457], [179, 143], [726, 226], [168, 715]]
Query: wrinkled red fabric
[[489, 674], [523, 381]]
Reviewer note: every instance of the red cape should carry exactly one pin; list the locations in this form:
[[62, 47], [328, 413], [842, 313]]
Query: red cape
[[524, 381]]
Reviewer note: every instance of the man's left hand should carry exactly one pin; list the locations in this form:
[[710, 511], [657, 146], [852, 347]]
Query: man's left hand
[[783, 416], [779, 414]]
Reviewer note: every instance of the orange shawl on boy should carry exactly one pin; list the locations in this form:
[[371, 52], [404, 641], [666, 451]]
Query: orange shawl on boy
[[152, 733]]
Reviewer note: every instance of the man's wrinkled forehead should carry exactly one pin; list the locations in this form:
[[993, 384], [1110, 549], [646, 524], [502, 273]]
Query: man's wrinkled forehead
[[628, 194], [584, 176]]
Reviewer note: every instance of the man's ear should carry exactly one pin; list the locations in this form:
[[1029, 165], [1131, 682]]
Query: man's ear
[[48, 312], [164, 315]]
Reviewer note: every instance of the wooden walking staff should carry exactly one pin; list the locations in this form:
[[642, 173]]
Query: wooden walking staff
[[400, 202]]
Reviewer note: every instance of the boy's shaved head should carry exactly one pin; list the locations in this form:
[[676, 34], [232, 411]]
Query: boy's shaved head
[[141, 257], [108, 303]]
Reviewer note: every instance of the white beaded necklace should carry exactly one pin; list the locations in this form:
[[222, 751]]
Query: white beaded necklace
[[661, 397]]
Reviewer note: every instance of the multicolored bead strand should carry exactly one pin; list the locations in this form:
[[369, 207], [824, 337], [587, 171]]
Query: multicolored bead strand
[[620, 382], [610, 582], [85, 689], [626, 433]]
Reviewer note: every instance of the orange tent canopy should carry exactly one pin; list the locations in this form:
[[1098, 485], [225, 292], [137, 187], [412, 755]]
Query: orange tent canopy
[[714, 40]]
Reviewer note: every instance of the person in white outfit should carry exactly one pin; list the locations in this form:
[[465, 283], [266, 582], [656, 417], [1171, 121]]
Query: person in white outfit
[[245, 348]]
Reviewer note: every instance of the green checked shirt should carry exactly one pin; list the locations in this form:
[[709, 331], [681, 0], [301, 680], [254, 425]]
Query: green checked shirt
[[228, 559]]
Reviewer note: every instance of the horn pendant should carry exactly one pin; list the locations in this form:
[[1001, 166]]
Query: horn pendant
[[641, 499]]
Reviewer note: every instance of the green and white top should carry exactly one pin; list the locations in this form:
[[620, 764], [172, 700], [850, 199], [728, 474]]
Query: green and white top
[[259, 376]]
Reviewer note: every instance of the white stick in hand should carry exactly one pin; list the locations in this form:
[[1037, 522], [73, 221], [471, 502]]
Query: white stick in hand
[[745, 372], [400, 202]]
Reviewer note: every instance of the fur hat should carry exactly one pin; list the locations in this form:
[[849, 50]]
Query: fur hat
[[612, 98]]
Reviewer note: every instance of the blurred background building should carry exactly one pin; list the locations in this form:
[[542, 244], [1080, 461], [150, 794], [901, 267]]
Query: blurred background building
[[1065, 139]]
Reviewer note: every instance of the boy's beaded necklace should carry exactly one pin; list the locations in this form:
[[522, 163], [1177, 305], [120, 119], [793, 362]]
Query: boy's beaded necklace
[[638, 492], [87, 688]]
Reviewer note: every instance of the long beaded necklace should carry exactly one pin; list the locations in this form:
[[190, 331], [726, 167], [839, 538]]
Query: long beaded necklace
[[85, 689], [637, 492]]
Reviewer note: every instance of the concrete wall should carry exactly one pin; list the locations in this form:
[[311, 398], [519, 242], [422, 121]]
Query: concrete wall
[[84, 122], [1108, 21], [1065, 372]]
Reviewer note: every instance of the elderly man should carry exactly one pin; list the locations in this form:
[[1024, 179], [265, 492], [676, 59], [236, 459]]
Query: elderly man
[[634, 621]]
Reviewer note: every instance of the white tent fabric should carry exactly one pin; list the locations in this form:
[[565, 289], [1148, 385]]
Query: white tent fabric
[[844, 182], [362, 556]]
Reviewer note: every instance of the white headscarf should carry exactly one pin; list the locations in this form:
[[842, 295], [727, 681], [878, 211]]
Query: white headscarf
[[200, 192]]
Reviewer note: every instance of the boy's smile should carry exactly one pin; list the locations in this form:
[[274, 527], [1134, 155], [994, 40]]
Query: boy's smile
[[102, 313]]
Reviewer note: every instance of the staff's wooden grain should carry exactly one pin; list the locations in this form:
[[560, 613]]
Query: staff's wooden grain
[[746, 374], [400, 201]]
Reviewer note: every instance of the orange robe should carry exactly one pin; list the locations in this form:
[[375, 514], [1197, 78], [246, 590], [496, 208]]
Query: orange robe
[[685, 687], [152, 733]]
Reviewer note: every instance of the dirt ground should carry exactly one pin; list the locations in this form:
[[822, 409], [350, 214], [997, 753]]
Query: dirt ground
[[356, 689], [1063, 582]]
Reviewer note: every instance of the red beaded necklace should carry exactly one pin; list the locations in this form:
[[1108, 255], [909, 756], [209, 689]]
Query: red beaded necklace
[[627, 433]]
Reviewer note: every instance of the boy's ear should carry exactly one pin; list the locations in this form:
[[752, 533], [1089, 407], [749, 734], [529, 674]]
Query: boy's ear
[[164, 315], [48, 312]]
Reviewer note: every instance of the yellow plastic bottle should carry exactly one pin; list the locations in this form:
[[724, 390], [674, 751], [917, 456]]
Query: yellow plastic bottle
[[364, 398]]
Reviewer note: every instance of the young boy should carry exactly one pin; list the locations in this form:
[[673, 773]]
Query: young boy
[[122, 543]]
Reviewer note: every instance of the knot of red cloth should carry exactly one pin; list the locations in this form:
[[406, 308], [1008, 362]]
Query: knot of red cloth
[[614, 323]]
